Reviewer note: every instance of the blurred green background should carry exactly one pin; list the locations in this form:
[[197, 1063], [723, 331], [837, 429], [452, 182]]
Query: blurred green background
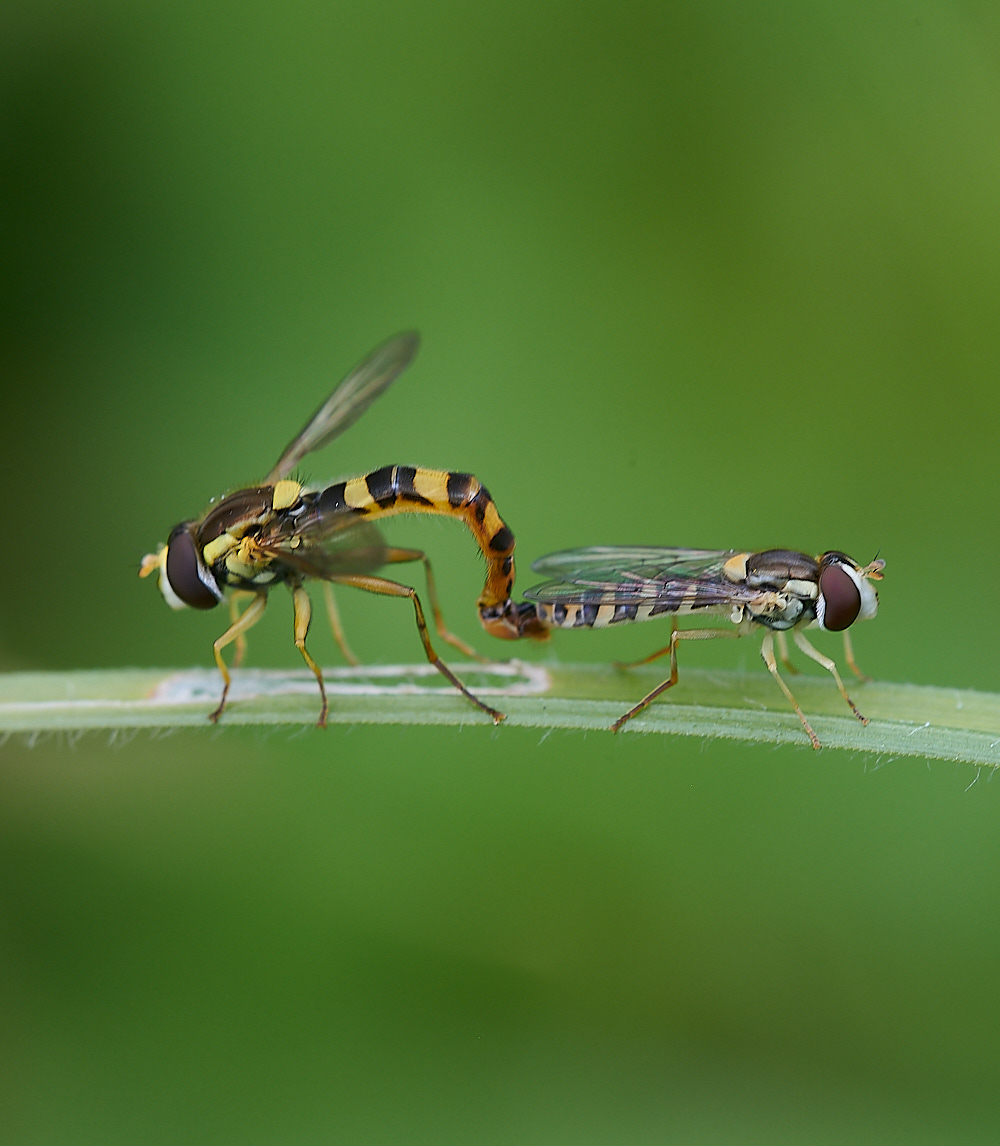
[[697, 274]]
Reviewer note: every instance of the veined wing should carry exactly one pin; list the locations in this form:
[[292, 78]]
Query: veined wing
[[624, 563], [350, 400], [636, 576], [345, 546]]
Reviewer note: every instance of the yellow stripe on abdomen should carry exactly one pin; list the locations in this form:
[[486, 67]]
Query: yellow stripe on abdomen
[[392, 490]]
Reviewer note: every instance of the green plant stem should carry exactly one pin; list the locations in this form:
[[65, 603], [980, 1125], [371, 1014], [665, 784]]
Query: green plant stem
[[905, 720]]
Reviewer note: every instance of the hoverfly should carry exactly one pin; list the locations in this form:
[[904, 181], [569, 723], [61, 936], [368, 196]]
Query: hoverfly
[[777, 589], [252, 539]]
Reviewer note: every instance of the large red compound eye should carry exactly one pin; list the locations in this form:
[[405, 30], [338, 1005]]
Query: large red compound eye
[[841, 598], [183, 571]]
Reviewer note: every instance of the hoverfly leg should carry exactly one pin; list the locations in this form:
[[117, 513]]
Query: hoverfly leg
[[676, 636], [333, 616], [786, 660], [234, 616], [852, 664], [831, 668], [660, 688], [396, 556], [302, 607], [246, 620], [767, 655], [388, 588]]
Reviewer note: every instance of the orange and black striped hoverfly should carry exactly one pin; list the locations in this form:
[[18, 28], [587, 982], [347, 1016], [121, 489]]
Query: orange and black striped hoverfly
[[254, 538], [778, 590]]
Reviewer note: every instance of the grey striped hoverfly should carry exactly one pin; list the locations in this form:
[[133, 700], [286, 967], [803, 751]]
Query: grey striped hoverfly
[[280, 531], [777, 590]]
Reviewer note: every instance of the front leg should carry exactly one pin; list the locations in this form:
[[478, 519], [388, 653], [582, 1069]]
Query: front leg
[[246, 620]]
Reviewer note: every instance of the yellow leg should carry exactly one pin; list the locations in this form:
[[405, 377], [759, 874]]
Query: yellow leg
[[851, 662], [675, 636], [302, 615], [398, 556], [387, 588], [234, 616], [767, 654], [250, 616], [817, 656], [333, 615], [786, 662]]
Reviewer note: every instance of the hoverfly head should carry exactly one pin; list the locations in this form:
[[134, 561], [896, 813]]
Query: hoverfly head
[[845, 592], [185, 579]]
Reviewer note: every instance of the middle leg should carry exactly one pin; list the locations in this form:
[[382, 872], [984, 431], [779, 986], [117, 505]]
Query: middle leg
[[387, 588]]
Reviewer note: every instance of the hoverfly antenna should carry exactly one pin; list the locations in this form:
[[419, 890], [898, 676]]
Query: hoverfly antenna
[[151, 563], [873, 571]]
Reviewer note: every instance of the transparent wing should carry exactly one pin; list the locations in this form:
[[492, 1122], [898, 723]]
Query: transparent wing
[[637, 575], [619, 562], [350, 400], [340, 545]]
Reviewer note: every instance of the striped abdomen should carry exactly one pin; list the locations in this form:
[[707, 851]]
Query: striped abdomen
[[602, 609], [410, 489], [595, 615]]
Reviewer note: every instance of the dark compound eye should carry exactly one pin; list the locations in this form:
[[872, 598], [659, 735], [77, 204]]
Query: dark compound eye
[[182, 571], [841, 598]]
